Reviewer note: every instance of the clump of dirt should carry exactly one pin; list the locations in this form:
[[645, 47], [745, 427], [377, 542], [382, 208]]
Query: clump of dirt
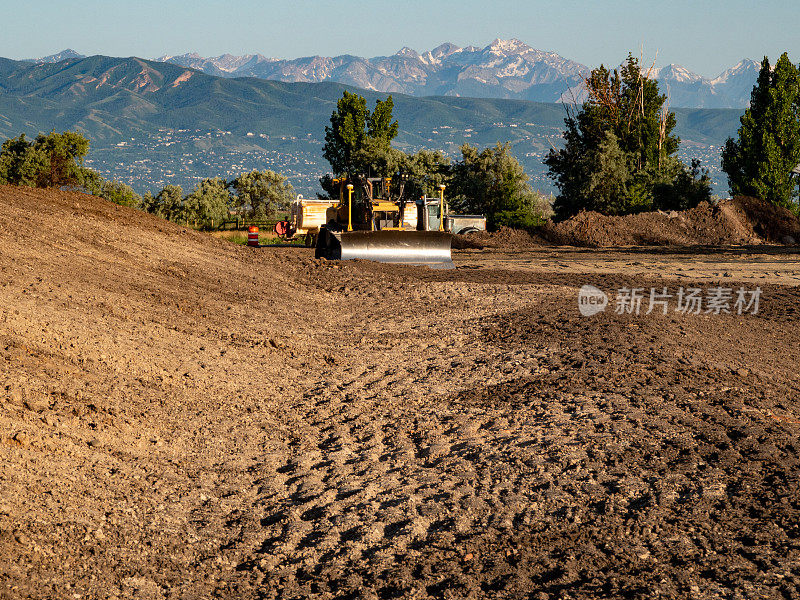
[[741, 220]]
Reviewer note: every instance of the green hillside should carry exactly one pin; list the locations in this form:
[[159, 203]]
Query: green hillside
[[153, 123]]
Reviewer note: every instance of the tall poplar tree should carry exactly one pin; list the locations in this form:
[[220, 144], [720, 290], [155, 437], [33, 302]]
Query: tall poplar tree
[[355, 134], [760, 162]]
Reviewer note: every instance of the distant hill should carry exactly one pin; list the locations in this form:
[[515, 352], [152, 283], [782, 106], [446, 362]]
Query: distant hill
[[153, 123], [507, 69]]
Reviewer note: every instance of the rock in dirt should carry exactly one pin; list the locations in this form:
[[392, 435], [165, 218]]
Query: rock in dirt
[[37, 404], [21, 538], [15, 397]]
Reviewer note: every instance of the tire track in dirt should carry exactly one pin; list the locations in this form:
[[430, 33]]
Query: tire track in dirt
[[386, 469], [499, 456]]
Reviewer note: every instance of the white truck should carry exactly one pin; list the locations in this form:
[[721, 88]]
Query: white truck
[[428, 209]]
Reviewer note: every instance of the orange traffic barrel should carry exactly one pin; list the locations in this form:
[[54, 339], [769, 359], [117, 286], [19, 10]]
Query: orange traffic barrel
[[252, 236]]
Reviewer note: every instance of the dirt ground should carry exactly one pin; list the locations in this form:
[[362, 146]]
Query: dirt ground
[[182, 417]]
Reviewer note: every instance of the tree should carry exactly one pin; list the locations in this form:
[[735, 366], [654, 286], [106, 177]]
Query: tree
[[90, 181], [760, 162], [687, 189], [113, 191], [120, 193], [492, 182], [51, 160], [56, 160], [618, 147], [19, 163], [380, 126], [376, 158], [346, 133], [265, 193], [358, 141], [426, 171], [167, 204], [63, 155], [149, 203], [208, 203]]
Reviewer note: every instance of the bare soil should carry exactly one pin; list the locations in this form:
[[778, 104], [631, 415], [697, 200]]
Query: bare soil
[[182, 417]]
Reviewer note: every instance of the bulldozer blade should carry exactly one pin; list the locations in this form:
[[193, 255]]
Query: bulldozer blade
[[431, 248]]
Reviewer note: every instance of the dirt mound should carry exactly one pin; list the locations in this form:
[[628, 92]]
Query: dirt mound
[[741, 220], [774, 224], [131, 350]]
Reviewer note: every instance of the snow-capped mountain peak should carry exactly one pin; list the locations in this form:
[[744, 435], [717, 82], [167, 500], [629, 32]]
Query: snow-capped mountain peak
[[676, 73], [58, 57], [444, 50], [744, 66], [502, 69], [506, 47], [409, 52]]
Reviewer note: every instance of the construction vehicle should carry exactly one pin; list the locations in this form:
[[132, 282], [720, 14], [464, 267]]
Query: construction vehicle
[[429, 211], [368, 222], [306, 216]]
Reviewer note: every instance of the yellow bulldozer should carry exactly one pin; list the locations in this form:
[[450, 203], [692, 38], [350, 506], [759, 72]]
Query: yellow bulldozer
[[369, 222]]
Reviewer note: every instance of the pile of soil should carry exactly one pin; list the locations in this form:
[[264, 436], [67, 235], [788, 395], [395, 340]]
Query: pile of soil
[[182, 417], [505, 238], [772, 223], [739, 221]]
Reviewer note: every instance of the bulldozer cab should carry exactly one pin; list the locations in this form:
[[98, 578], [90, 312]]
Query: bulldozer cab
[[369, 206], [386, 213]]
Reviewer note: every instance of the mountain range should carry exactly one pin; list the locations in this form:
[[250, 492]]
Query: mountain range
[[507, 69], [503, 69], [152, 123]]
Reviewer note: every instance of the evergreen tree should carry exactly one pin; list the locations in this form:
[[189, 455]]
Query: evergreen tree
[[346, 133], [379, 122], [760, 162], [619, 147]]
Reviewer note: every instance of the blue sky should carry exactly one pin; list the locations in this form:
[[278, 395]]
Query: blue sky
[[704, 36]]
